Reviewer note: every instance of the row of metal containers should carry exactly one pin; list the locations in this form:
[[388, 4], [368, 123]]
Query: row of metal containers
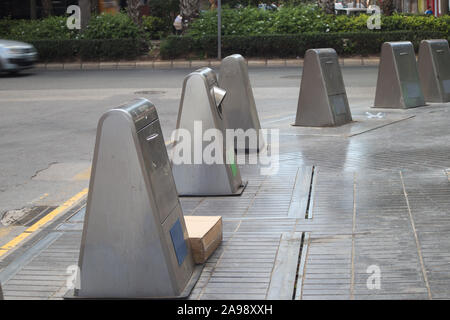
[[134, 242], [402, 82]]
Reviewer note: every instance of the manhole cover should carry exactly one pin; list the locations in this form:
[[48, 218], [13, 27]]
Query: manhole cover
[[150, 92]]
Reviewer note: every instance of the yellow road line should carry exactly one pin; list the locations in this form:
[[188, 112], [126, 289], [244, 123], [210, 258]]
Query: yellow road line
[[83, 175], [49, 217]]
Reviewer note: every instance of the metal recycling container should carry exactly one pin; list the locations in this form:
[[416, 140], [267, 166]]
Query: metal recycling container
[[323, 99], [134, 243], [200, 113], [434, 70]]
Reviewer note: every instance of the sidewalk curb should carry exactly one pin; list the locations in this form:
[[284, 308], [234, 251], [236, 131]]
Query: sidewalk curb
[[191, 64]]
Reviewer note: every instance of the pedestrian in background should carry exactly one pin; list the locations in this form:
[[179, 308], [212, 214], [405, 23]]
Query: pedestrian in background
[[178, 24], [429, 11]]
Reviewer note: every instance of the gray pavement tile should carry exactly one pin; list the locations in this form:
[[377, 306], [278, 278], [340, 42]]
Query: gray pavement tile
[[359, 215]]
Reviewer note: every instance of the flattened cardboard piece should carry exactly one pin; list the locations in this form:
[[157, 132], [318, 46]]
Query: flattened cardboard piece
[[205, 235]]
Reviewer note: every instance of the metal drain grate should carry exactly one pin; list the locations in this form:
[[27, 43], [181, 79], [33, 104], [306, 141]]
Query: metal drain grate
[[308, 212], [297, 292], [34, 214]]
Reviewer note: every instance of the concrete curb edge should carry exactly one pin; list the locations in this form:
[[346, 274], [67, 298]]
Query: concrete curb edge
[[189, 64]]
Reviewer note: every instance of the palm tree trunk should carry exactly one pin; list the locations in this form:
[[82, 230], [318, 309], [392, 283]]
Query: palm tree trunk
[[327, 6], [33, 12], [94, 6], [85, 7], [47, 7], [189, 10], [133, 9]]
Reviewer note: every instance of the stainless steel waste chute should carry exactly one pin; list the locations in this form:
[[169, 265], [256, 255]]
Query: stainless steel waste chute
[[134, 243], [200, 110], [239, 104], [434, 70], [323, 100], [398, 84]]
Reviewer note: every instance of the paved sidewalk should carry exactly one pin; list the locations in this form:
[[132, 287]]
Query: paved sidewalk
[[370, 195], [176, 64]]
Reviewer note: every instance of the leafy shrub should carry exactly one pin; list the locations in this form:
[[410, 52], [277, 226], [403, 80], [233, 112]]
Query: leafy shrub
[[87, 49], [112, 49], [5, 26], [106, 37], [305, 18], [155, 27], [104, 26], [48, 28], [289, 46], [112, 26]]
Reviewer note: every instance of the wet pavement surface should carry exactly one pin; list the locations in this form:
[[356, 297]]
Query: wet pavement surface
[[347, 204]]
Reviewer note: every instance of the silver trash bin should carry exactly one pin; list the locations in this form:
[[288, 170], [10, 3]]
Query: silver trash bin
[[434, 70], [398, 84], [239, 104], [134, 243], [323, 100], [201, 110]]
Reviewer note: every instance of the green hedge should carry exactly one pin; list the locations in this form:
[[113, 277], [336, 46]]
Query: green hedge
[[289, 46], [306, 18], [89, 49], [103, 26]]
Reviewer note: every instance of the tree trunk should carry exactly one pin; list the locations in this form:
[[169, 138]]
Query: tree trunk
[[387, 7], [85, 8], [33, 12], [47, 7], [94, 6], [189, 10], [327, 6], [133, 9]]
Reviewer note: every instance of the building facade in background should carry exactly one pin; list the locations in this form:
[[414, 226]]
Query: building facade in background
[[439, 7]]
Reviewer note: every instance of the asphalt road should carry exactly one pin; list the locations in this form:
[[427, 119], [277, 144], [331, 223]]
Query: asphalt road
[[48, 120]]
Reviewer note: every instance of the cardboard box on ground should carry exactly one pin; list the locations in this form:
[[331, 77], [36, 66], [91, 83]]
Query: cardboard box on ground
[[205, 235]]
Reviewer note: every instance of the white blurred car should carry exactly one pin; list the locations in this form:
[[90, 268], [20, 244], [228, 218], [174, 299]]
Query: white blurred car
[[16, 56]]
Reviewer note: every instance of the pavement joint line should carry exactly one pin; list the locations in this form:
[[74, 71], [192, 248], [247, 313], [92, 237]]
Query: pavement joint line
[[273, 267], [381, 126], [43, 221], [352, 283], [416, 237]]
